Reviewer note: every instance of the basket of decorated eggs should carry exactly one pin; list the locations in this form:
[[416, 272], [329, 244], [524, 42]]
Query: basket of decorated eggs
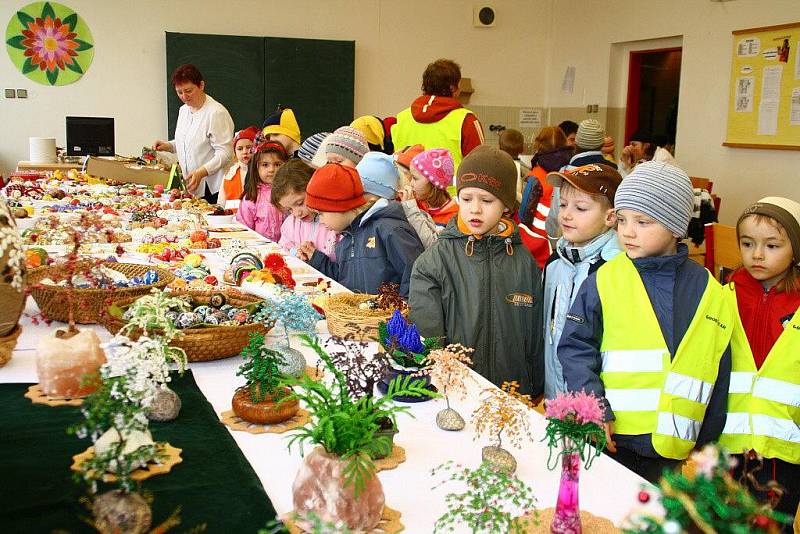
[[85, 287], [213, 324]]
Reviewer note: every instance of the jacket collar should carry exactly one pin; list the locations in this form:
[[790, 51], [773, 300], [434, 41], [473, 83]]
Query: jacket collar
[[663, 264], [604, 246], [506, 228]]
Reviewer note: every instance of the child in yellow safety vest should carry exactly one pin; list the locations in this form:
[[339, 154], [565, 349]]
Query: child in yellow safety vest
[[649, 331], [764, 395]]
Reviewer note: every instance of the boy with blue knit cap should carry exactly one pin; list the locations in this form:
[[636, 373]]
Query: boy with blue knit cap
[[649, 331]]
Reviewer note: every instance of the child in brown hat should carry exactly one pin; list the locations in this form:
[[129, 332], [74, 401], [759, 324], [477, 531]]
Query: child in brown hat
[[477, 285]]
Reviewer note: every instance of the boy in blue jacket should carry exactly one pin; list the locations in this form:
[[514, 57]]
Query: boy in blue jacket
[[649, 331], [377, 244]]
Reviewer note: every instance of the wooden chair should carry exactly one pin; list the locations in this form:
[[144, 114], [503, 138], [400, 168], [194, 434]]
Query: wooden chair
[[701, 183], [722, 250]]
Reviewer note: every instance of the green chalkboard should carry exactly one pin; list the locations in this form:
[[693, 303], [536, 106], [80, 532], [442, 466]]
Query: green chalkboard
[[250, 76], [232, 67], [315, 78]]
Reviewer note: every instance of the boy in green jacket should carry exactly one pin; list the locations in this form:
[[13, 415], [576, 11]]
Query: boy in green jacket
[[478, 285]]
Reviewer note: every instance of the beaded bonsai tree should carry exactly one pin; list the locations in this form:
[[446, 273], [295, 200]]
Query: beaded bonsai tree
[[705, 498], [503, 410], [149, 314], [575, 420], [448, 370], [337, 480], [294, 312], [264, 399], [115, 421], [493, 501]]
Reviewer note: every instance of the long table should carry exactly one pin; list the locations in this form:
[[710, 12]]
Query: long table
[[607, 489]]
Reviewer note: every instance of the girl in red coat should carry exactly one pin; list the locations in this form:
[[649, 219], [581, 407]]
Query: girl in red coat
[[764, 397]]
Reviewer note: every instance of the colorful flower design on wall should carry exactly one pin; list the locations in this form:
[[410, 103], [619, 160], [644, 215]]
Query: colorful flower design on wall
[[49, 43]]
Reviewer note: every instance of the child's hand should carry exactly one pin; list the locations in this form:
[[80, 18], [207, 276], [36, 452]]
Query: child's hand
[[406, 193], [627, 156], [610, 444], [306, 250]]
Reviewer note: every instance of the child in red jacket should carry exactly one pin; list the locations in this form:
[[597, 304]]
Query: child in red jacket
[[764, 394]]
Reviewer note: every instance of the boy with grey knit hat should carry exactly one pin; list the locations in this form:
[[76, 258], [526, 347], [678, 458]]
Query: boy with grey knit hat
[[649, 331]]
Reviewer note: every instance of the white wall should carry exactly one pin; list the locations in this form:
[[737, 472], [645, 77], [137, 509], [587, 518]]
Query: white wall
[[740, 176], [394, 42]]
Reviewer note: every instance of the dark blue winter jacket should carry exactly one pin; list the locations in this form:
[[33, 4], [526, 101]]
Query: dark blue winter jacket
[[378, 246], [675, 285]]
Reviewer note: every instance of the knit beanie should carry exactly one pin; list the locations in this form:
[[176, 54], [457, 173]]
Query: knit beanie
[[309, 147], [371, 128], [404, 157], [590, 135], [492, 170], [378, 174], [661, 191], [335, 188], [786, 212], [348, 143], [436, 165], [247, 133], [283, 122]]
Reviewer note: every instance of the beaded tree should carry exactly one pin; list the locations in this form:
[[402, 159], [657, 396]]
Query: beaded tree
[[500, 411]]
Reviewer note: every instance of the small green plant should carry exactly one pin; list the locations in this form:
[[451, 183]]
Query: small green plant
[[149, 313], [345, 426], [315, 525], [261, 369], [493, 501]]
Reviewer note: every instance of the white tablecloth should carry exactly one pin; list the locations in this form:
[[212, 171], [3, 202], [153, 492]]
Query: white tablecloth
[[607, 489]]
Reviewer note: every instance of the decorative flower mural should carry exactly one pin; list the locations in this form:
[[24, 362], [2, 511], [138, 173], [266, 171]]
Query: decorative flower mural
[[49, 43]]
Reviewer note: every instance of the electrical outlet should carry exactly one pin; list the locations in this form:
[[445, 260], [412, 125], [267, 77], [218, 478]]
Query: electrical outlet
[[22, 93], [10, 93], [595, 107], [588, 108]]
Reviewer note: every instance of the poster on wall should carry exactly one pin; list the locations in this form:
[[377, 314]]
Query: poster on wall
[[762, 112], [49, 43]]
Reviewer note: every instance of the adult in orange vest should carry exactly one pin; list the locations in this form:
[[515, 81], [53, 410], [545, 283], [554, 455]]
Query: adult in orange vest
[[437, 119]]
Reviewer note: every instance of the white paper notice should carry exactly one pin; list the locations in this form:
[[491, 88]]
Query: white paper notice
[[744, 94], [770, 99], [797, 61], [568, 83], [530, 118], [794, 115], [748, 47]]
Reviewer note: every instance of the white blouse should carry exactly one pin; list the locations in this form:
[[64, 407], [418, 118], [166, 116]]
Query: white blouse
[[204, 138]]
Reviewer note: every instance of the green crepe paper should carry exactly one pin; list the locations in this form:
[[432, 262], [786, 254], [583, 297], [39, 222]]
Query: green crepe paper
[[214, 484]]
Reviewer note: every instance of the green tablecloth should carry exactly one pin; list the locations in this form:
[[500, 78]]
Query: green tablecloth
[[214, 484]]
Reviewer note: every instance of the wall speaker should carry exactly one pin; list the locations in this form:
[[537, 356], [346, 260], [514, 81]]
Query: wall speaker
[[483, 16]]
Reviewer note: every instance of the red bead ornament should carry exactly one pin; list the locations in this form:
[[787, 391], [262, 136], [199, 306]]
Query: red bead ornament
[[762, 521], [643, 496]]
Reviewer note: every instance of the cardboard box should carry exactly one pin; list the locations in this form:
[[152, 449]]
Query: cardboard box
[[125, 172]]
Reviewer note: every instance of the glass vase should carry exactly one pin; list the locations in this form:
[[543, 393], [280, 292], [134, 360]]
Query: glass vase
[[567, 517]]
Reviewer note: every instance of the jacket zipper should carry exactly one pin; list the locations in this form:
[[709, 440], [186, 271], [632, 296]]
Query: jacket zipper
[[761, 318], [490, 348]]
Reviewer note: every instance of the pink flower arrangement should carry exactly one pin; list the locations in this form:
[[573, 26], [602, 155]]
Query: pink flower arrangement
[[579, 407]]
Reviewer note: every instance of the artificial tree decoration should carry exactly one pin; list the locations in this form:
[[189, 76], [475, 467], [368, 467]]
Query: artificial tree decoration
[[503, 410], [449, 371], [337, 480], [264, 399], [115, 421], [493, 501], [294, 312], [402, 342], [149, 314], [389, 297], [705, 499], [12, 281], [575, 421]]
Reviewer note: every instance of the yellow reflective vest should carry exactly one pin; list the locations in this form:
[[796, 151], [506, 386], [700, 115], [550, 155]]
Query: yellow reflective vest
[[650, 392], [764, 404], [445, 133]]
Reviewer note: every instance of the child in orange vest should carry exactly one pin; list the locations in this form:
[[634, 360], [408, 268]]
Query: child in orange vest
[[233, 181]]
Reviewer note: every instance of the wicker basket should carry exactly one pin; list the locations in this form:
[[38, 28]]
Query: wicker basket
[[88, 304], [7, 344], [209, 342], [346, 319]]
